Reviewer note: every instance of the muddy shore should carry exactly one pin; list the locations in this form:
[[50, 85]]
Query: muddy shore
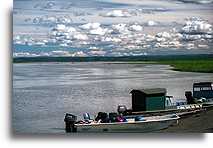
[[197, 123]]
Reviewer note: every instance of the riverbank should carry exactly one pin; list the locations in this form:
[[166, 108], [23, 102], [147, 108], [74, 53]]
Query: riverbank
[[197, 123], [190, 65], [187, 63]]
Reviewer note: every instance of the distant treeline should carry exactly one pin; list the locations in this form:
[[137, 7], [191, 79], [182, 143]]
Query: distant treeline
[[113, 59]]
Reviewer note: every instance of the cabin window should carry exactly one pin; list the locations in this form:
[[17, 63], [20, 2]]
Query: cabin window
[[196, 88], [206, 88]]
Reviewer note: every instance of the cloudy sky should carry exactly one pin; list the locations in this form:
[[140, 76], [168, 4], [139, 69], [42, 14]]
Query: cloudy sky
[[111, 27]]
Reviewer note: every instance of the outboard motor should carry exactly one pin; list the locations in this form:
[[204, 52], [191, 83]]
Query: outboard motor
[[86, 117], [189, 97], [70, 120], [122, 109]]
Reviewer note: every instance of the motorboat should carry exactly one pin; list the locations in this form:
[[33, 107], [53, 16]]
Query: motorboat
[[130, 124]]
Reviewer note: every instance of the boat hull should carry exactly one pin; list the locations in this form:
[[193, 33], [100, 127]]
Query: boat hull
[[139, 126]]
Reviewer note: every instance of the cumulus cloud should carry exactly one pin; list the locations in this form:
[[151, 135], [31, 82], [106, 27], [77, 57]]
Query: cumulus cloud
[[24, 54], [71, 29], [98, 31], [121, 38], [27, 40], [51, 20], [90, 26], [111, 39], [48, 5], [60, 27], [136, 27], [20, 42], [55, 53], [62, 32], [118, 13], [80, 36], [196, 29], [40, 43], [121, 28], [79, 54], [163, 35], [97, 52], [152, 23], [133, 12], [197, 26], [60, 53]]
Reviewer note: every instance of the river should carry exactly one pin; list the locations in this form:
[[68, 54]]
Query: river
[[44, 92]]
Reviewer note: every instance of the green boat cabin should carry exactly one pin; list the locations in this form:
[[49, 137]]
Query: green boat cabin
[[148, 99]]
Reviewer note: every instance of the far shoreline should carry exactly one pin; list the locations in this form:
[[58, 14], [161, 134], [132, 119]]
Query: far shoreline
[[184, 63]]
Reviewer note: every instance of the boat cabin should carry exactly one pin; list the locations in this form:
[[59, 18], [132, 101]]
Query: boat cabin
[[148, 99], [203, 90]]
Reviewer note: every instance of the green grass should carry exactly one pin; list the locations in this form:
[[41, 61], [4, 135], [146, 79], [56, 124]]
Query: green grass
[[187, 65], [205, 66], [190, 63]]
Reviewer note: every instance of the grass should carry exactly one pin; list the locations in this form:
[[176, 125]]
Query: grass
[[190, 63], [203, 65], [187, 65]]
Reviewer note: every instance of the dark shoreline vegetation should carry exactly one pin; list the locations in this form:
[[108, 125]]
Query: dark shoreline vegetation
[[189, 63]]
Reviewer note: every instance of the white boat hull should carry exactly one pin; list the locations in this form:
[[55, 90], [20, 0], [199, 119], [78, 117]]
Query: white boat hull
[[136, 126]]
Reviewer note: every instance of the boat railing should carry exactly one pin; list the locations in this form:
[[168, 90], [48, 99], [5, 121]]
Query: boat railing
[[190, 106]]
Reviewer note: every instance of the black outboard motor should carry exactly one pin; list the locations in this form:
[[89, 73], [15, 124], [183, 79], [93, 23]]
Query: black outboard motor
[[70, 120], [189, 97], [122, 109], [86, 117]]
